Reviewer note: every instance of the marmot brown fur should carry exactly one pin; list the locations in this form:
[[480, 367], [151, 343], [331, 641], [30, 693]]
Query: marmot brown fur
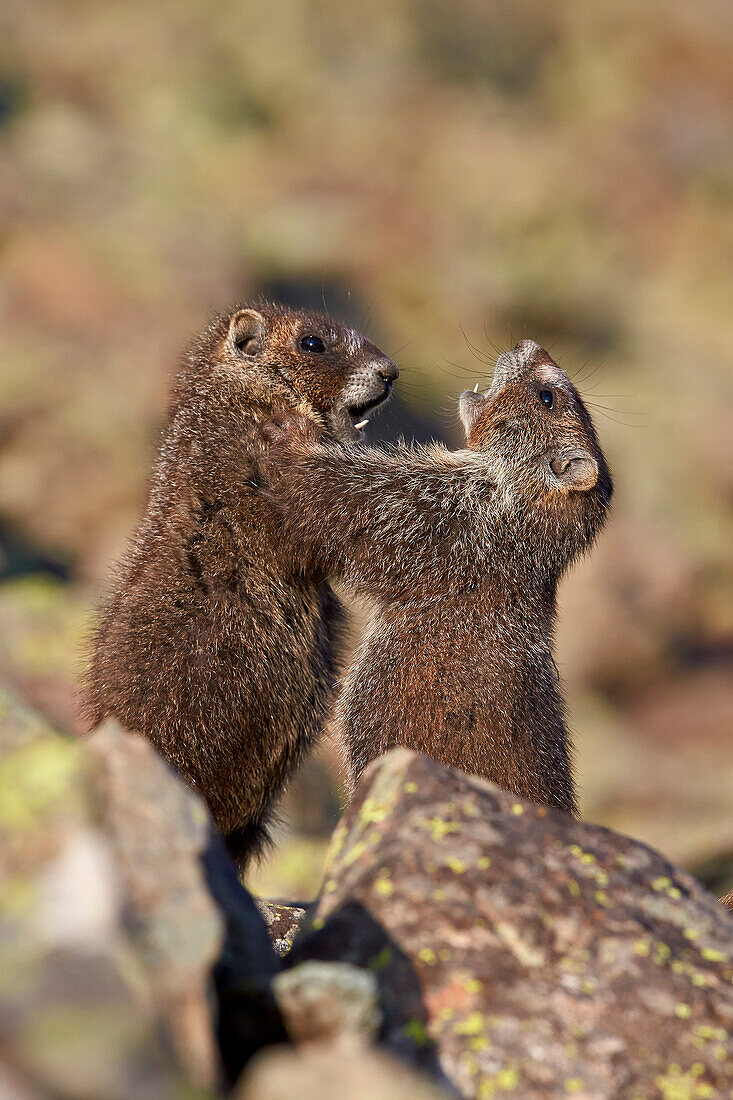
[[212, 645], [462, 553]]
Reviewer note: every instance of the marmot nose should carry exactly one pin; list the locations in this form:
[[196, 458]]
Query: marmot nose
[[527, 347], [388, 371], [576, 469]]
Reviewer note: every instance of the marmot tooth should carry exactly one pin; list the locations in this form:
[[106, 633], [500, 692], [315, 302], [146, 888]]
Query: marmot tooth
[[361, 424]]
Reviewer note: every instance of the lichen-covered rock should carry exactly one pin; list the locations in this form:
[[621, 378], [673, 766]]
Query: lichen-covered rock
[[282, 921], [133, 964], [159, 832], [75, 1020], [194, 927], [518, 951]]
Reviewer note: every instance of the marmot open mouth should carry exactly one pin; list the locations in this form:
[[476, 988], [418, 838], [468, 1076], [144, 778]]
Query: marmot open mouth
[[357, 412]]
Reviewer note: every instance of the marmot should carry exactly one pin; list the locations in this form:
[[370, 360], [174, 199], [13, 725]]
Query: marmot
[[211, 644], [461, 553]]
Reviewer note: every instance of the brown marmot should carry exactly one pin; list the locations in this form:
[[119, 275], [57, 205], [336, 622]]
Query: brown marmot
[[212, 645], [461, 553]]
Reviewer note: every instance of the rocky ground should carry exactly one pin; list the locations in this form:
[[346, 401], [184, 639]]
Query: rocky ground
[[463, 943]]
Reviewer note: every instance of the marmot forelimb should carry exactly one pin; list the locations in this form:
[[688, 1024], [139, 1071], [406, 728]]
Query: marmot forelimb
[[212, 644], [461, 553]]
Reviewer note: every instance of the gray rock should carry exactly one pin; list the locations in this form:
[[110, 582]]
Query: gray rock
[[321, 1072], [76, 1018], [328, 1001]]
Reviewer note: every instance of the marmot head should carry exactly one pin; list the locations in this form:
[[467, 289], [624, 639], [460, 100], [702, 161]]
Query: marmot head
[[312, 363], [544, 450]]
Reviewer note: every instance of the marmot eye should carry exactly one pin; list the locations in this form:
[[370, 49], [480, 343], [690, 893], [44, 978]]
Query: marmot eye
[[546, 398], [314, 344]]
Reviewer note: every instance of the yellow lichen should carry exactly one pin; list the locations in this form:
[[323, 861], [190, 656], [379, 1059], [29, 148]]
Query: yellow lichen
[[473, 1024], [359, 849], [676, 1085], [662, 953], [705, 1031], [337, 842], [440, 828], [507, 1079], [372, 811], [36, 778], [712, 955]]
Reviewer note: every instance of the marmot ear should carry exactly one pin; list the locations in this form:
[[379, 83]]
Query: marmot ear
[[247, 331], [576, 470]]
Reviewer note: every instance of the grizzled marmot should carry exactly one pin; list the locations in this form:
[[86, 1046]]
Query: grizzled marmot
[[461, 553], [212, 644]]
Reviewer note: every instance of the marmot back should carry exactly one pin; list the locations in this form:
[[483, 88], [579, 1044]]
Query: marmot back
[[461, 553], [214, 644]]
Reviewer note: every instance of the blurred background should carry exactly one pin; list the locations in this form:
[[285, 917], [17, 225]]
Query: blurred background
[[452, 176]]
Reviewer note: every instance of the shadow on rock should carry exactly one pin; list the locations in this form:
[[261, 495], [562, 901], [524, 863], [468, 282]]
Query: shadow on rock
[[248, 1017], [354, 935]]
